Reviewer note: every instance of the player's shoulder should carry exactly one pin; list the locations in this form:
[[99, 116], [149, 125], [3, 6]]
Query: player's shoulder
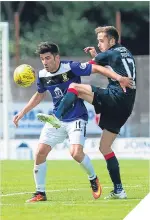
[[42, 73], [65, 64], [64, 67], [103, 58], [119, 48], [106, 54], [75, 64], [122, 50]]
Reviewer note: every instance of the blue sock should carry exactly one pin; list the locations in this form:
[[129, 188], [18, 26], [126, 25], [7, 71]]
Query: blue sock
[[66, 103]]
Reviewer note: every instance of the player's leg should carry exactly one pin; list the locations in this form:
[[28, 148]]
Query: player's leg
[[39, 172], [74, 91], [86, 92], [48, 139], [106, 142], [111, 121], [76, 131]]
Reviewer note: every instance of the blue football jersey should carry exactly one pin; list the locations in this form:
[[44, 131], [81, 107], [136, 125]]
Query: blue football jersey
[[57, 84]]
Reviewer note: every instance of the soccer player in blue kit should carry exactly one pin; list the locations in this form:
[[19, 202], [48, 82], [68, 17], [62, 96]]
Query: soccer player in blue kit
[[56, 78], [114, 105]]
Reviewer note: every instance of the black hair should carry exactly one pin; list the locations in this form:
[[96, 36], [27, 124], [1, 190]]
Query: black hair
[[45, 47]]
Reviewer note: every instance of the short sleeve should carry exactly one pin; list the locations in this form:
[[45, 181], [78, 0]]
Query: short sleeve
[[81, 69], [102, 58], [40, 87]]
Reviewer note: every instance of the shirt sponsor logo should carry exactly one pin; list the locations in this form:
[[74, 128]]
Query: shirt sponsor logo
[[58, 92], [65, 78]]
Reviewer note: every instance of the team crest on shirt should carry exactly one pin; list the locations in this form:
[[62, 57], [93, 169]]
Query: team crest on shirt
[[83, 65], [65, 78]]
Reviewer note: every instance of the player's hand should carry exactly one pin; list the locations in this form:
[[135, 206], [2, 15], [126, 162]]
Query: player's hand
[[17, 118], [90, 50], [125, 82]]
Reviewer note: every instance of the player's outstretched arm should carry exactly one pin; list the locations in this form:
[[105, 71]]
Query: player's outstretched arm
[[124, 81], [105, 72], [34, 101]]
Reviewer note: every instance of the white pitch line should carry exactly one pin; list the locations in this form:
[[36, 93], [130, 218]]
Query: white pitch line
[[97, 204], [62, 190], [53, 190], [75, 204]]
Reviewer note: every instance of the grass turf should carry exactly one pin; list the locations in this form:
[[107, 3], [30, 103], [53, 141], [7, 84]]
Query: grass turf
[[68, 191]]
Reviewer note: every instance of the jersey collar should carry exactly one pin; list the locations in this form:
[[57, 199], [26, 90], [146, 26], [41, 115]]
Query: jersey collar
[[57, 69], [115, 45]]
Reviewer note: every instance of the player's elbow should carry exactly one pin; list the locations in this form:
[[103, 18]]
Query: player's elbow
[[39, 97]]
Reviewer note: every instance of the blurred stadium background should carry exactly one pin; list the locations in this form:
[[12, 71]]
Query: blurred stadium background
[[71, 25]]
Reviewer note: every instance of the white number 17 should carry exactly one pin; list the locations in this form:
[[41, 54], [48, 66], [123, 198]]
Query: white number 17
[[126, 62]]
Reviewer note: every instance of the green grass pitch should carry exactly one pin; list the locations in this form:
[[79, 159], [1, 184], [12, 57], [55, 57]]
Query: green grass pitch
[[68, 191]]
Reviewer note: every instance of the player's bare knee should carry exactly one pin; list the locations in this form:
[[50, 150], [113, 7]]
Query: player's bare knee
[[41, 153], [102, 149], [42, 150], [73, 85], [75, 157], [78, 157], [77, 153], [74, 153]]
